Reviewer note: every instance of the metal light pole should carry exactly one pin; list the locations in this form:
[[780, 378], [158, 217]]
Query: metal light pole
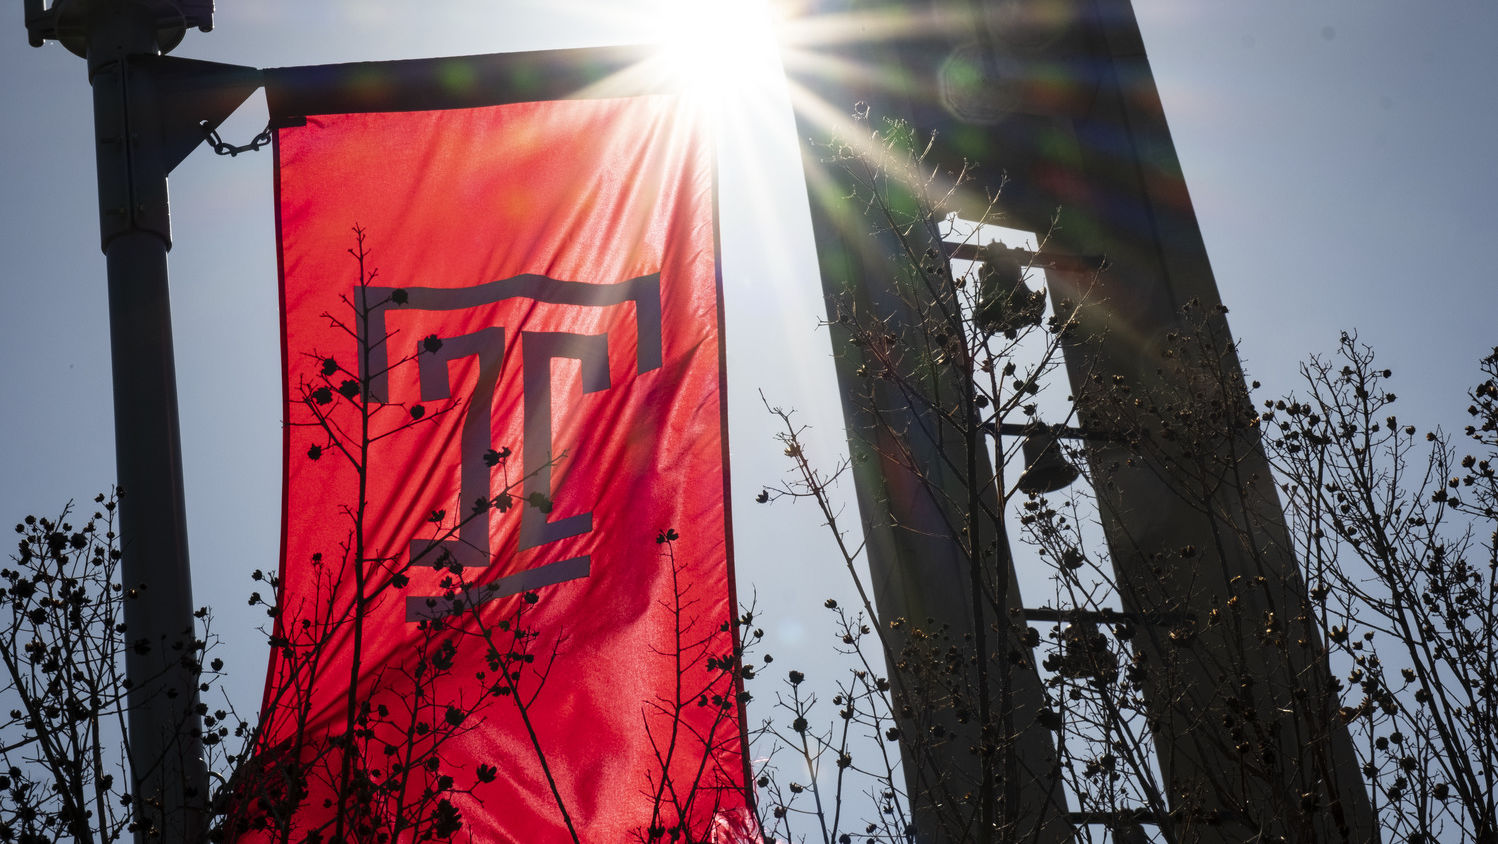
[[147, 110]]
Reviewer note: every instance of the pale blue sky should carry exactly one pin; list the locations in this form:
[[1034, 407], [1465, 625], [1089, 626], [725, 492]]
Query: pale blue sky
[[1338, 153]]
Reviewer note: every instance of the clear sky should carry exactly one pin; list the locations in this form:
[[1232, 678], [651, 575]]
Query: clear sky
[[1338, 153]]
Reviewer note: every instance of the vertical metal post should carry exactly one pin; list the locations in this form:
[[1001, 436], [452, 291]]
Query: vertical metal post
[[170, 785]]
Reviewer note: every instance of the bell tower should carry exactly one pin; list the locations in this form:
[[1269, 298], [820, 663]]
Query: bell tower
[[1049, 109]]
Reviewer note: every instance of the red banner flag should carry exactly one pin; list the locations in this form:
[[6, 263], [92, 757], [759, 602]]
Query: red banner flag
[[505, 603]]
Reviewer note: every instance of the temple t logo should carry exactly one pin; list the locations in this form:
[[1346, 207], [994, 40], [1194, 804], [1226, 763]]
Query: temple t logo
[[538, 347]]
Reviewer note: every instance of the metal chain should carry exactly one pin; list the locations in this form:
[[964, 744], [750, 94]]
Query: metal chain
[[222, 147]]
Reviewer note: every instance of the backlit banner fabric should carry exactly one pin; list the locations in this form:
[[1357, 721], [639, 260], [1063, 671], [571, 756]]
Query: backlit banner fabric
[[505, 605]]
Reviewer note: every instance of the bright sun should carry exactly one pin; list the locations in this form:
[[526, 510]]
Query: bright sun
[[720, 47]]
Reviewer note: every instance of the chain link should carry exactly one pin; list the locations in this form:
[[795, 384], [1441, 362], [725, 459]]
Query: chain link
[[222, 147]]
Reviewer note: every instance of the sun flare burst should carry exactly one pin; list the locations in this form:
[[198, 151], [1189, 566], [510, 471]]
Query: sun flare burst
[[721, 50]]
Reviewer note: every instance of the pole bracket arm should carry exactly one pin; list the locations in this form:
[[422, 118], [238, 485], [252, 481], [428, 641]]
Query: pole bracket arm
[[156, 110], [183, 99]]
